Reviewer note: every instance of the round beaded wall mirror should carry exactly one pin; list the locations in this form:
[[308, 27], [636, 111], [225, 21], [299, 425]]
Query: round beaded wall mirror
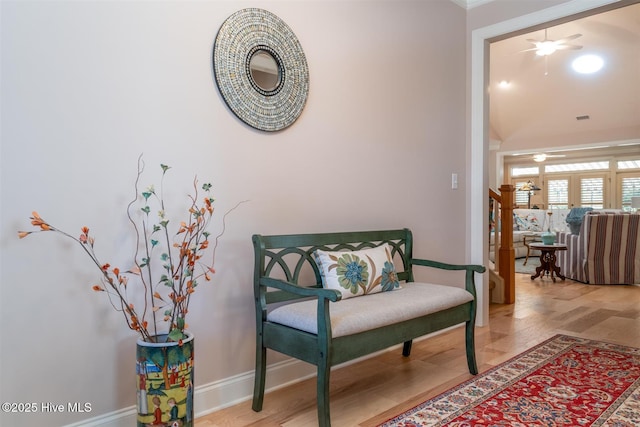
[[260, 69]]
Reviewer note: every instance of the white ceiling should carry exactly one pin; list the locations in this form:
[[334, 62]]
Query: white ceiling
[[539, 111]]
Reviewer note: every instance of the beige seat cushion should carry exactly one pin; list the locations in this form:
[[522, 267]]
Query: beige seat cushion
[[364, 313]]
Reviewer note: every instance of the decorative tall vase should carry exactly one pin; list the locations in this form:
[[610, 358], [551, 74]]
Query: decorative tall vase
[[548, 237], [164, 382]]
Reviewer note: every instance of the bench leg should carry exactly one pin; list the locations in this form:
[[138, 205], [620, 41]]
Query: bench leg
[[471, 347], [259, 381], [406, 348], [324, 372]]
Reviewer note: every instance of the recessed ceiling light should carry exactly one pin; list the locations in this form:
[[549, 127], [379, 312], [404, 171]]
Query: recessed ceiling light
[[504, 84], [587, 64]]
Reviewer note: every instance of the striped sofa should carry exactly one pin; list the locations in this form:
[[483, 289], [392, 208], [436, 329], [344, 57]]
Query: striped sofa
[[606, 252]]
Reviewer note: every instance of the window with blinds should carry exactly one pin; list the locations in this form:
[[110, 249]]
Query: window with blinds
[[520, 171], [630, 187], [629, 164], [558, 193], [592, 193], [521, 197], [575, 167]]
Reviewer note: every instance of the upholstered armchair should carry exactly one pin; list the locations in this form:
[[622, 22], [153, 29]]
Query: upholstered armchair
[[605, 252]]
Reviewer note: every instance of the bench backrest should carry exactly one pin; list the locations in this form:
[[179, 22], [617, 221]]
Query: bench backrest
[[290, 257]]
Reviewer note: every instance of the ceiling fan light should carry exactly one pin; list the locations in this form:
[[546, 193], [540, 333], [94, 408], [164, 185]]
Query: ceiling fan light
[[546, 48], [587, 64]]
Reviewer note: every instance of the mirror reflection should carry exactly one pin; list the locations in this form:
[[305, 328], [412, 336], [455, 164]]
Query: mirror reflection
[[265, 70]]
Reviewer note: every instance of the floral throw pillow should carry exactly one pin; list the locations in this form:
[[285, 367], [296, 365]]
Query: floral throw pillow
[[528, 222], [357, 273]]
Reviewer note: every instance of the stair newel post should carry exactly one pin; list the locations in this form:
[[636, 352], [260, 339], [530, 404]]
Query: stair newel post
[[507, 252]]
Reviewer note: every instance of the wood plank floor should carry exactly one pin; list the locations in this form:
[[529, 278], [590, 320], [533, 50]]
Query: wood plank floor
[[372, 391]]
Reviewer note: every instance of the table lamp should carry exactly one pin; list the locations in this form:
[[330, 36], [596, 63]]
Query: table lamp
[[530, 187]]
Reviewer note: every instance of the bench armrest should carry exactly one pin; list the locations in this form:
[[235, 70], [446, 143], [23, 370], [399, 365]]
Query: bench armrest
[[303, 291], [324, 296], [445, 266], [469, 268]]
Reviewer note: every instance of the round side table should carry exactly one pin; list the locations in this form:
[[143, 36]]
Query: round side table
[[548, 260]]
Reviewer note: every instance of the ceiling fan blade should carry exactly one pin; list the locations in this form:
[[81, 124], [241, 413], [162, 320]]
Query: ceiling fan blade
[[569, 38], [568, 46], [527, 50], [541, 157]]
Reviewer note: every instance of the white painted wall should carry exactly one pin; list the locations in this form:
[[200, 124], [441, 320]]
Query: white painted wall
[[88, 86]]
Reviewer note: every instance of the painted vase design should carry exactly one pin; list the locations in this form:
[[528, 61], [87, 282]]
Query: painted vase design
[[164, 377]]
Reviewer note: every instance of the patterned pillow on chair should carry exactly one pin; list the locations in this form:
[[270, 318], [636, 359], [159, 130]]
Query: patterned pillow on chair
[[528, 222]]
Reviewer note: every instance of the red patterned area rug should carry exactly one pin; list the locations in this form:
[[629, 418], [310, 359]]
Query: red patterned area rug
[[565, 381]]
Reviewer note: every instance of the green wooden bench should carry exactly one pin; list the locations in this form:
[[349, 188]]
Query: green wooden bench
[[313, 324]]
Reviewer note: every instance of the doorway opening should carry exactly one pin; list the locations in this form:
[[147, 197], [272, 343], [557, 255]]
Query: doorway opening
[[479, 129]]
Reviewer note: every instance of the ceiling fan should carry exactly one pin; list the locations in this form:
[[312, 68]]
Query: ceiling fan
[[546, 47], [541, 157]]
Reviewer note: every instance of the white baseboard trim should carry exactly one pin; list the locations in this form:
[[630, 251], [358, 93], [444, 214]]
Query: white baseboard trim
[[121, 418], [230, 391], [217, 395]]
